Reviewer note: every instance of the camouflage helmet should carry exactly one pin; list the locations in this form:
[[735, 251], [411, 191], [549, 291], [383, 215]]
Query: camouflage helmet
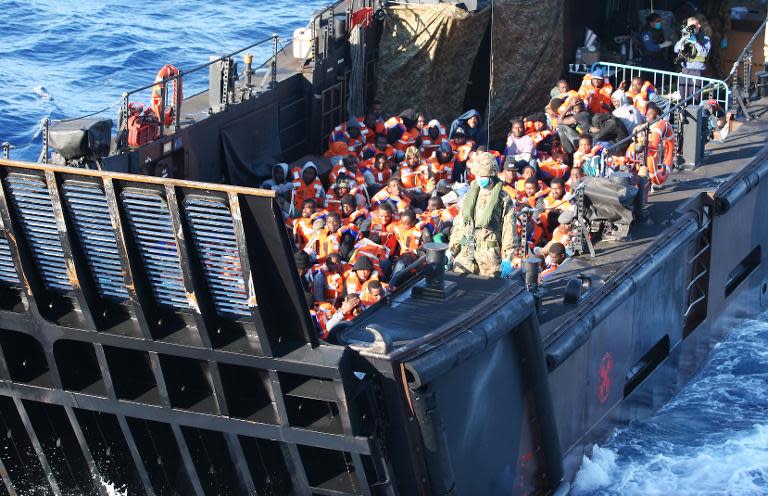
[[485, 165]]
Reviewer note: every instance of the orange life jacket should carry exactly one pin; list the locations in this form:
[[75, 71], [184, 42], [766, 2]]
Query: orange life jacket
[[322, 312], [539, 136], [367, 298], [552, 168], [409, 239], [354, 217], [302, 229], [322, 243], [381, 176], [333, 285], [374, 251], [428, 145], [641, 98], [462, 152], [339, 169], [570, 97], [400, 203], [560, 235], [353, 284], [661, 152], [354, 145], [303, 191]]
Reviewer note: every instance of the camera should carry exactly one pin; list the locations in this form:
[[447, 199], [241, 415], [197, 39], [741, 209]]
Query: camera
[[688, 49]]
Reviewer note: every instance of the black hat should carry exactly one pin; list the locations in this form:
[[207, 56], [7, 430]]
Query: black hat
[[348, 200], [363, 263], [510, 164]]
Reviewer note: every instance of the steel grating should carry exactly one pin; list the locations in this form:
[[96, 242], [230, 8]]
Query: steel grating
[[8, 275], [151, 226], [93, 226], [30, 198], [214, 239]]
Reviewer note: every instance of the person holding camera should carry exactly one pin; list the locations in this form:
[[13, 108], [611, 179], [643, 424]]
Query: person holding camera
[[692, 50]]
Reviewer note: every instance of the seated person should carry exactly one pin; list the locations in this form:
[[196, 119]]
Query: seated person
[[383, 224], [373, 292], [519, 144], [303, 227], [307, 185], [555, 203], [328, 282], [394, 195], [554, 260], [440, 219], [357, 278], [371, 246], [585, 152], [351, 215]]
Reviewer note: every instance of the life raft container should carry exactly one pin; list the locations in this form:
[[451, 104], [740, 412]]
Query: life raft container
[[170, 111], [142, 126]]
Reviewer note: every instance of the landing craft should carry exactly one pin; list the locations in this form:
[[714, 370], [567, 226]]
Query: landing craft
[[156, 335]]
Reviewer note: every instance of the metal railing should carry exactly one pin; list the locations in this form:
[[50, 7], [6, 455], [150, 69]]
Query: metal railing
[[125, 100], [123, 118], [667, 82]]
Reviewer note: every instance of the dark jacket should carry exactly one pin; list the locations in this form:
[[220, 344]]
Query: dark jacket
[[610, 128], [477, 134]]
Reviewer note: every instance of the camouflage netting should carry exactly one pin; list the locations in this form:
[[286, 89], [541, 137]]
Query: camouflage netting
[[427, 53], [425, 57], [528, 58]]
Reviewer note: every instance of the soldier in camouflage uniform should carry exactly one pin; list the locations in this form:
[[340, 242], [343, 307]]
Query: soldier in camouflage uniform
[[483, 236]]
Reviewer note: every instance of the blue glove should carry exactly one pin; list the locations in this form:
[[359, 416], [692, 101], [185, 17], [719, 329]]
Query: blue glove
[[692, 39], [506, 268]]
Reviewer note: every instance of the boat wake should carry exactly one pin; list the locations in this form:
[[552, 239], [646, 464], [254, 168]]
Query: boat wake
[[711, 439]]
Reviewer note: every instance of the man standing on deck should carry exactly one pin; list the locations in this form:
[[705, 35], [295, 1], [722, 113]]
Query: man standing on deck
[[482, 239], [692, 49]]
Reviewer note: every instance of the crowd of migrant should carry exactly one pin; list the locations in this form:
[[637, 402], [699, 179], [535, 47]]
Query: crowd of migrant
[[398, 182]]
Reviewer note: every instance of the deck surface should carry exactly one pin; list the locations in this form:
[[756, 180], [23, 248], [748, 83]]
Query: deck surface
[[721, 161]]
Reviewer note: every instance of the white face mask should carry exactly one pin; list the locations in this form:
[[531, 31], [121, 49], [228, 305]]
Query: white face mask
[[548, 261]]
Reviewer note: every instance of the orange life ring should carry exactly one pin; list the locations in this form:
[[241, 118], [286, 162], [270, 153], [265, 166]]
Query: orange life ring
[[661, 153], [168, 71]]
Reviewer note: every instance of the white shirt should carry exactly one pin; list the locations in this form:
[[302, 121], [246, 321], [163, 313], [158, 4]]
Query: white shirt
[[630, 116]]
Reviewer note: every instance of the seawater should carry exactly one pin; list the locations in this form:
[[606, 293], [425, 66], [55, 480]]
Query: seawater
[[65, 58], [711, 439]]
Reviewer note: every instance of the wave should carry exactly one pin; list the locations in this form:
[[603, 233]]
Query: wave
[[711, 439]]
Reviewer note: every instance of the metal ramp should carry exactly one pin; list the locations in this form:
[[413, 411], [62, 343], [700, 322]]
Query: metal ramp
[[154, 335]]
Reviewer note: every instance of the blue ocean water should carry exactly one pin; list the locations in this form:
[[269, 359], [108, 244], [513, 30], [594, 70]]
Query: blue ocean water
[[711, 439], [66, 58]]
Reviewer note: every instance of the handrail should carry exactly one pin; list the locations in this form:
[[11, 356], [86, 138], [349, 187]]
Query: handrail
[[660, 78], [123, 116], [647, 126], [655, 71], [202, 66]]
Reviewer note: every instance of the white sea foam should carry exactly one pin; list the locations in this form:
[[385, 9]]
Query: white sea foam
[[712, 439], [739, 466], [113, 489], [42, 93]]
